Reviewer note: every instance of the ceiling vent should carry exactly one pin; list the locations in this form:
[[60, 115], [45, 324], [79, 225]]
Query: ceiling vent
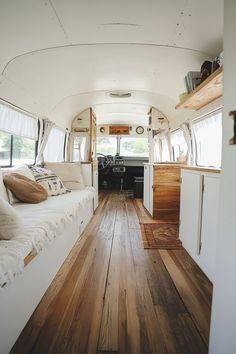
[[119, 94]]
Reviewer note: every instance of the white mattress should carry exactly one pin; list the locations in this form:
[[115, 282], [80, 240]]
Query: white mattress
[[42, 223]]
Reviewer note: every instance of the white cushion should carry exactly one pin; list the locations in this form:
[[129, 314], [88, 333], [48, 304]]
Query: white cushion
[[69, 172], [3, 191], [22, 170], [10, 221]]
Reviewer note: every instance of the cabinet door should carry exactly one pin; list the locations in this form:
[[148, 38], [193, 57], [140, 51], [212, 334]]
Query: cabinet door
[[146, 187], [151, 190], [190, 212], [209, 225]]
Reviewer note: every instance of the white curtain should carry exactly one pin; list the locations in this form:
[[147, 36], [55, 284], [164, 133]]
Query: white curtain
[[208, 137], [54, 149], [165, 151], [157, 149], [187, 135], [179, 144], [47, 127], [17, 123]]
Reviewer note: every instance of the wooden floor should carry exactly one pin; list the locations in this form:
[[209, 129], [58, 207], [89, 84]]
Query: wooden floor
[[112, 296]]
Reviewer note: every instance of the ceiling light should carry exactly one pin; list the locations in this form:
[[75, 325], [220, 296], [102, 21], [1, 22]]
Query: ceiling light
[[119, 94]]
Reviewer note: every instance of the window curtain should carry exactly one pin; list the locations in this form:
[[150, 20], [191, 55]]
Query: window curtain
[[188, 138], [47, 127], [165, 151], [179, 145], [54, 149], [208, 137], [18, 123], [157, 149]]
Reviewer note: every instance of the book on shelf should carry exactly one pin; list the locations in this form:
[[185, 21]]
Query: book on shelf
[[192, 80]]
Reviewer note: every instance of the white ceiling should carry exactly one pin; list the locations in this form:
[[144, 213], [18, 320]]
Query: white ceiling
[[59, 57]]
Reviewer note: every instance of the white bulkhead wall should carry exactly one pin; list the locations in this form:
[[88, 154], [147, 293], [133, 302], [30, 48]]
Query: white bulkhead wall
[[223, 333]]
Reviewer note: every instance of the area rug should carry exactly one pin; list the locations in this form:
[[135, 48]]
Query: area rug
[[161, 236]]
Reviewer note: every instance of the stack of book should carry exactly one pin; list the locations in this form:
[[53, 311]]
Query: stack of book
[[192, 80]]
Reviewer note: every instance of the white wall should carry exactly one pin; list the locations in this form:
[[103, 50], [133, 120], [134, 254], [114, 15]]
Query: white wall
[[223, 325]]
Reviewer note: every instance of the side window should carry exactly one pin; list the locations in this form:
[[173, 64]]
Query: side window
[[178, 144], [208, 138], [5, 149], [54, 150], [23, 151], [79, 148], [18, 137], [165, 154]]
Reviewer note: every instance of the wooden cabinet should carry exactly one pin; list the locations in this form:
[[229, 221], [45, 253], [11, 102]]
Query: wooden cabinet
[[208, 91], [199, 217], [162, 191]]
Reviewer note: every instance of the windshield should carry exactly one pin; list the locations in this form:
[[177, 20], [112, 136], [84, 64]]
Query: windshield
[[107, 145], [134, 147]]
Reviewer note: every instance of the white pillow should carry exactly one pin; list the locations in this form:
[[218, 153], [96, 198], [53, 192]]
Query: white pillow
[[22, 170], [69, 172], [48, 180], [10, 222], [3, 191]]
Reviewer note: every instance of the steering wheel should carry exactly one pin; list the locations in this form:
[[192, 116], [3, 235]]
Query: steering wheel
[[103, 161]]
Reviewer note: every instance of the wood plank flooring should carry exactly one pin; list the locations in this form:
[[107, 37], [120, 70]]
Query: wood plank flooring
[[112, 296]]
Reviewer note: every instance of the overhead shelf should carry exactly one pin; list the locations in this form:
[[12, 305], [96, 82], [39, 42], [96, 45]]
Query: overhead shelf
[[208, 91]]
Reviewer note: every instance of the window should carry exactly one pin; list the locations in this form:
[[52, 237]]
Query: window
[[79, 149], [134, 147], [208, 137], [165, 154], [107, 145], [54, 150], [178, 144], [18, 137], [5, 149]]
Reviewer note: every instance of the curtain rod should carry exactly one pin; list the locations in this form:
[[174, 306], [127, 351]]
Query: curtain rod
[[19, 109]]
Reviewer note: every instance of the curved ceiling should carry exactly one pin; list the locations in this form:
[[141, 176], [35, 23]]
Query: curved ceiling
[[59, 57]]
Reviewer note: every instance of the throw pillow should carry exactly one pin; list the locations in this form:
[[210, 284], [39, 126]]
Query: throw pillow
[[69, 172], [22, 170], [10, 221], [24, 188], [48, 180]]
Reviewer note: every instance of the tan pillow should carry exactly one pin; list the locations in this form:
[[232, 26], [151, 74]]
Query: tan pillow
[[24, 188]]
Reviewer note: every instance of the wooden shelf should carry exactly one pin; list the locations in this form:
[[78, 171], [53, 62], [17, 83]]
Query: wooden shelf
[[208, 91]]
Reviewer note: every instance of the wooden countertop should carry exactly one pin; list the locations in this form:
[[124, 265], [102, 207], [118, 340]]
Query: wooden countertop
[[185, 167], [203, 169]]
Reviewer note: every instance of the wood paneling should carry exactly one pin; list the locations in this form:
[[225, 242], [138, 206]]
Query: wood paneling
[[112, 296], [119, 130], [166, 192]]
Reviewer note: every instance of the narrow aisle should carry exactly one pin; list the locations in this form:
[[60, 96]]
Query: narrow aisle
[[112, 296]]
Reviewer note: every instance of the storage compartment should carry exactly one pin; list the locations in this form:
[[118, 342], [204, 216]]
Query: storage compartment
[[138, 187]]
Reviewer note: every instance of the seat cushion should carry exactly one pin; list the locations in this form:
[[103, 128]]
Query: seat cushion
[[25, 189]]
